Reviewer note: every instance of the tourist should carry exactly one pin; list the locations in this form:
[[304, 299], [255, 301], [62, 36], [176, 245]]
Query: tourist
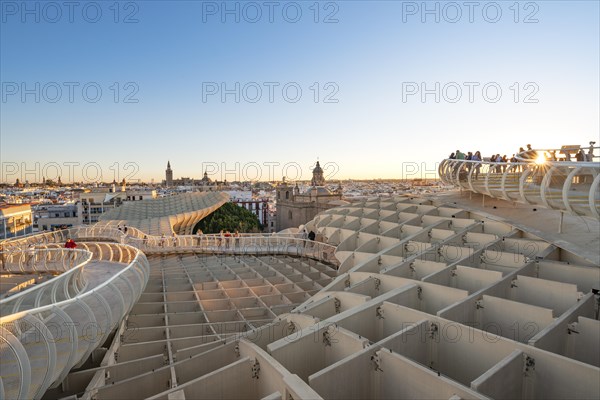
[[199, 234], [590, 154], [311, 237], [162, 240], [519, 156], [531, 154], [70, 244], [459, 156], [174, 239], [305, 234], [452, 156], [469, 157], [580, 156], [220, 239], [567, 155], [514, 159], [145, 240], [504, 160], [30, 255], [477, 157], [237, 238], [227, 239]]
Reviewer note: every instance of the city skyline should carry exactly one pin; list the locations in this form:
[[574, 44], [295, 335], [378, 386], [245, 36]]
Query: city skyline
[[217, 173], [372, 87]]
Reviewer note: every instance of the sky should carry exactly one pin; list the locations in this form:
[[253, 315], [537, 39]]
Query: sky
[[260, 90]]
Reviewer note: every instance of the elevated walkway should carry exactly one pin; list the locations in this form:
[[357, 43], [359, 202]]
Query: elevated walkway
[[572, 187], [433, 298], [51, 327]]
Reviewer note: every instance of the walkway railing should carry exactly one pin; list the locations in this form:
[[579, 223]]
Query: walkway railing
[[38, 260], [50, 328], [243, 245], [560, 185], [83, 232]]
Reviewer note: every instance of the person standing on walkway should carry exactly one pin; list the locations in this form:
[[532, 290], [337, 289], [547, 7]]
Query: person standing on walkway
[[477, 157], [227, 239], [311, 237], [2, 256], [590, 154], [71, 245], [30, 255]]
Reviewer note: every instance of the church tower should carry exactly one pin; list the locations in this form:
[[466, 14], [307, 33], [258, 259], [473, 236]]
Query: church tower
[[169, 175], [317, 179], [285, 191], [295, 208]]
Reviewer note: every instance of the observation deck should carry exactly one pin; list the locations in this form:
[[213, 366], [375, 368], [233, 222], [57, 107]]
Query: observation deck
[[567, 186], [409, 297]]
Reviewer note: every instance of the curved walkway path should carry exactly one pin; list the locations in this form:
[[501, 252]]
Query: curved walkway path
[[51, 327], [568, 186]]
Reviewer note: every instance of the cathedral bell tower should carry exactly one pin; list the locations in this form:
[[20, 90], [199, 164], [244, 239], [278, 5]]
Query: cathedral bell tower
[[169, 175]]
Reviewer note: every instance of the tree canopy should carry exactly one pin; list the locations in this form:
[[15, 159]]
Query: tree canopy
[[229, 217]]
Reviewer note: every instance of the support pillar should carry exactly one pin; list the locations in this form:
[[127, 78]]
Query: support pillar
[[560, 222]]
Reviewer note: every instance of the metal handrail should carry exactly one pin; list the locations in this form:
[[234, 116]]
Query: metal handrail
[[523, 157], [249, 244], [62, 328], [203, 242], [546, 183], [72, 262], [62, 235]]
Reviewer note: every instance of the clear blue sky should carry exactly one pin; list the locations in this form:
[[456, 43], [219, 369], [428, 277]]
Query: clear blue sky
[[368, 61]]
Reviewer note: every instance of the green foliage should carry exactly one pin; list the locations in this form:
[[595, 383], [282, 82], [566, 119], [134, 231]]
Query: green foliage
[[229, 217]]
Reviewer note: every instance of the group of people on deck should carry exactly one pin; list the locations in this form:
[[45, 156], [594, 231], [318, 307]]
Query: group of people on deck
[[225, 237], [163, 240], [525, 155]]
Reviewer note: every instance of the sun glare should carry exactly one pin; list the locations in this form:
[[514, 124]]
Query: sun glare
[[541, 159]]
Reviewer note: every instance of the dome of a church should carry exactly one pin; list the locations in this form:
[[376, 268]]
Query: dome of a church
[[205, 178], [317, 179], [318, 191], [318, 168]]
